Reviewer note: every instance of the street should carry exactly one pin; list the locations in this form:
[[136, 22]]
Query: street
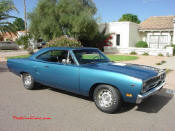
[[70, 112]]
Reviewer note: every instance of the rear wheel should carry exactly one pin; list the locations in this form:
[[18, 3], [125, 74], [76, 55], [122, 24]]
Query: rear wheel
[[107, 98], [28, 81]]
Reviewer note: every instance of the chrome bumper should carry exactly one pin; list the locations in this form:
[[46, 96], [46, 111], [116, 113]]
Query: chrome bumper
[[140, 97]]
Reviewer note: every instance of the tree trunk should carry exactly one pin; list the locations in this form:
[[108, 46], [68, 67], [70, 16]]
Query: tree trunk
[[25, 16]]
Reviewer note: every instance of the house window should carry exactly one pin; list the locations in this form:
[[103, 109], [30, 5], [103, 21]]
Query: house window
[[118, 39]]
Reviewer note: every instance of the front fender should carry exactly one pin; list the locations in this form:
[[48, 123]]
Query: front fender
[[125, 84]]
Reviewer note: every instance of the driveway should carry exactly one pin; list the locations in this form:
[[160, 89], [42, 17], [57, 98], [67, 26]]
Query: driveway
[[76, 113]]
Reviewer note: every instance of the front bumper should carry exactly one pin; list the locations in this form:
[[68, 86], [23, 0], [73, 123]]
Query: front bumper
[[141, 97]]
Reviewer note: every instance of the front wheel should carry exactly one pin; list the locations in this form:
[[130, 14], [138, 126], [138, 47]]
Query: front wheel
[[28, 81], [107, 98]]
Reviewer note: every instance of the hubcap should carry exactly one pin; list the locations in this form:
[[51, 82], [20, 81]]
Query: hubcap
[[27, 80], [105, 98]]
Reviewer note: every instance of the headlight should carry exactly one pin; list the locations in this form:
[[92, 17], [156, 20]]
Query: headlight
[[144, 89]]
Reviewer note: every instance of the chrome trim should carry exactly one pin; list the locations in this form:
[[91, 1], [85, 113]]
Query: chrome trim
[[140, 97], [159, 73]]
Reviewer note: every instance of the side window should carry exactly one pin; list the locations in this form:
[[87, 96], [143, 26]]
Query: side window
[[60, 56], [54, 56], [45, 57]]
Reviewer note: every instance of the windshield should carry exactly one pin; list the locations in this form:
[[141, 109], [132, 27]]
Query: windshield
[[87, 56]]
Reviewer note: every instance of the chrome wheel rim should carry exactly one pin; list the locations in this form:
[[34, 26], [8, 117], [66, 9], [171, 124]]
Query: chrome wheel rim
[[105, 98], [27, 80]]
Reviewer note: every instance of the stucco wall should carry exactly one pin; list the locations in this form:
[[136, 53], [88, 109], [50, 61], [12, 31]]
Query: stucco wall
[[128, 31], [121, 28], [134, 35]]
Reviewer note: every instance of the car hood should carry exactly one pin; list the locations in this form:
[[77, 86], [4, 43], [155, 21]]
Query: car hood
[[138, 71]]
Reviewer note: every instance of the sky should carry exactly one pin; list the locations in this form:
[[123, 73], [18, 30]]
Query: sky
[[112, 10]]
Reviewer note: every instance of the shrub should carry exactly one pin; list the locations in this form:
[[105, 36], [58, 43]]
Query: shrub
[[158, 63], [133, 53], [63, 41], [172, 45], [142, 44], [173, 49], [160, 54], [162, 62], [23, 40], [145, 53], [99, 41]]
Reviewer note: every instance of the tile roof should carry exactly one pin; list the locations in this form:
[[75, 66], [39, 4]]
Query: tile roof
[[157, 23], [8, 35]]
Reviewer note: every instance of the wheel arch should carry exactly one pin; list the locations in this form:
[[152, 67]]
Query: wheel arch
[[23, 72], [91, 91]]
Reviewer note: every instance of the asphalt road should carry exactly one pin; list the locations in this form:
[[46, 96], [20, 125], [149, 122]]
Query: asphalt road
[[70, 112]]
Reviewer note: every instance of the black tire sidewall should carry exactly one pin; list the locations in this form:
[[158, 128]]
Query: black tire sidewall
[[115, 96]]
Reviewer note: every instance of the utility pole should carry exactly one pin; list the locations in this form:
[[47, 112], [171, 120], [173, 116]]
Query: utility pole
[[25, 16]]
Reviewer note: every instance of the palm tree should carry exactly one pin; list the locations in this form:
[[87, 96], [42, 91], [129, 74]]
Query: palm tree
[[25, 16], [5, 7]]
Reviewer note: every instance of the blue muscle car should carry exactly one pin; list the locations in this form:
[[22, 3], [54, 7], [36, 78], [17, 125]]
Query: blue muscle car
[[87, 71]]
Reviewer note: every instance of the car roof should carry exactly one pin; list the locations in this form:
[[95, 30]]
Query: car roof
[[59, 48], [67, 48]]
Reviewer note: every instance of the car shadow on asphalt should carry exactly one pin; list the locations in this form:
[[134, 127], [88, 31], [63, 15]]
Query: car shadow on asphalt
[[43, 87], [156, 102], [151, 105], [40, 87], [71, 94]]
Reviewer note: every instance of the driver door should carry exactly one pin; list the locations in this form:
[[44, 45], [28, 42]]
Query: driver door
[[58, 70]]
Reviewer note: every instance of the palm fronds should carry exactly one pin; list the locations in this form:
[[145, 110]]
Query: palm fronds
[[5, 7]]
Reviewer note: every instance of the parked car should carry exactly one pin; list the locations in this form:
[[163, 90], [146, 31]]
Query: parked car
[[8, 46], [40, 43], [88, 72]]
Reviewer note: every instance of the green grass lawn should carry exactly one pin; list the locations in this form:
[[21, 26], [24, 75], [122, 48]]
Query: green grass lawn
[[15, 57], [111, 57], [121, 57]]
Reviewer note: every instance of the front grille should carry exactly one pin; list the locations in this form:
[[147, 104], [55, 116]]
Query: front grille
[[154, 82]]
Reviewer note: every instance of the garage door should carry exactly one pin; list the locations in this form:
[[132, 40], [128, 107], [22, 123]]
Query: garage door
[[157, 41]]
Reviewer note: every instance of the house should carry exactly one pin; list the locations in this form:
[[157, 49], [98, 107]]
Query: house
[[124, 34], [8, 37], [11, 36], [157, 31]]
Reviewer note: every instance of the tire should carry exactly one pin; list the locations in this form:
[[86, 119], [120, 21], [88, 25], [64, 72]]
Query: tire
[[28, 81], [107, 98]]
